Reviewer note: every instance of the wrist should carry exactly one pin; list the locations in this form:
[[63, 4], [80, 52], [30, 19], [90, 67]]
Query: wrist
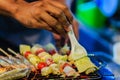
[[7, 7], [10, 7]]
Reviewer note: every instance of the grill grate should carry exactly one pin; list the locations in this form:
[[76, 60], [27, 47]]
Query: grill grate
[[37, 76]]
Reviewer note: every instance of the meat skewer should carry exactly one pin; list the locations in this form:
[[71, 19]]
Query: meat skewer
[[12, 60], [35, 60], [46, 57], [23, 60], [12, 69]]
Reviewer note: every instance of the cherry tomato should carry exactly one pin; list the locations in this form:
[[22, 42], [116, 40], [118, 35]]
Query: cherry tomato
[[27, 54], [41, 65]]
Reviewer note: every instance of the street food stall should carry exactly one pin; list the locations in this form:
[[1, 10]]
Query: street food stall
[[94, 56]]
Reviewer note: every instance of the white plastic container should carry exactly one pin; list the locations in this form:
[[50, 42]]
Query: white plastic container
[[116, 53]]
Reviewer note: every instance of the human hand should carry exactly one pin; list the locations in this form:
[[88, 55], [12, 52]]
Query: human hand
[[47, 14], [61, 41]]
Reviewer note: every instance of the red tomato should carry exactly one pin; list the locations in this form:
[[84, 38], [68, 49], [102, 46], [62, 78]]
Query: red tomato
[[42, 65], [26, 54]]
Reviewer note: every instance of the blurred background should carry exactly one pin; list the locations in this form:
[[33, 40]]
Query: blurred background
[[100, 29]]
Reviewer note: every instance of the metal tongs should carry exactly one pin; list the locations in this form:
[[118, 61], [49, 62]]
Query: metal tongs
[[77, 50]]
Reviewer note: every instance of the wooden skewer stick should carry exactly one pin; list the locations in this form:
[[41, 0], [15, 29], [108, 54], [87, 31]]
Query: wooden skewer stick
[[15, 53], [5, 52], [12, 51]]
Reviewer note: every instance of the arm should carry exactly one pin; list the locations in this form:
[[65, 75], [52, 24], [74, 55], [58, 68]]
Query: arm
[[44, 14], [8, 7]]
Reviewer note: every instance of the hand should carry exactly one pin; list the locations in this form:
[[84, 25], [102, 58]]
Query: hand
[[47, 14], [61, 41]]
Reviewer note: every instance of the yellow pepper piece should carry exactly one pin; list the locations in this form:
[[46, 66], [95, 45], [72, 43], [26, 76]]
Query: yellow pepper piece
[[84, 64]]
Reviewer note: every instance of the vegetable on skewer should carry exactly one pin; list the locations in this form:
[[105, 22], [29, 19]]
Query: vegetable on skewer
[[85, 65], [65, 50], [46, 58], [56, 57], [35, 60], [42, 54], [67, 69], [55, 69]]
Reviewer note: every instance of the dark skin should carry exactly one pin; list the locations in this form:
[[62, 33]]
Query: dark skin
[[61, 40], [50, 15], [47, 14]]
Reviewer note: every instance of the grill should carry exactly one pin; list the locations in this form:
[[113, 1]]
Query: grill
[[37, 76], [93, 76]]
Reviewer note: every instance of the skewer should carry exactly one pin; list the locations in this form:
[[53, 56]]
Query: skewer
[[15, 53], [12, 51], [23, 60], [5, 52], [14, 60], [9, 56]]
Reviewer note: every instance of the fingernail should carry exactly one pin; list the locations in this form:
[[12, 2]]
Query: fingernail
[[67, 29]]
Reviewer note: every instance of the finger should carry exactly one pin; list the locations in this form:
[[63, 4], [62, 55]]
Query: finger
[[60, 30], [75, 28], [67, 29], [52, 22], [59, 14], [40, 25], [56, 36], [64, 8], [59, 40]]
